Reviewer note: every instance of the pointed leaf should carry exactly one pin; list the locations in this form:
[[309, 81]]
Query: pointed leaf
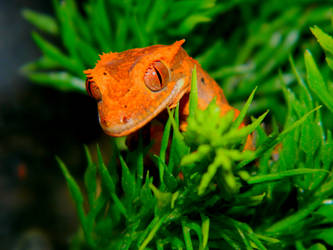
[[59, 80], [55, 54], [41, 21], [109, 183], [127, 180], [244, 110], [282, 175], [90, 177], [316, 81], [325, 41]]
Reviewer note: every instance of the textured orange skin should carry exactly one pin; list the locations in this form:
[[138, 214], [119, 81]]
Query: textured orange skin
[[127, 104]]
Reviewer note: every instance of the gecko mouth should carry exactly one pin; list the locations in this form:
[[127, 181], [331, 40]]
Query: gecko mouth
[[131, 125]]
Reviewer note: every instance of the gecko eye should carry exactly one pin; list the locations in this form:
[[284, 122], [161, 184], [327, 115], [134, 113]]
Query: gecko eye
[[93, 89], [156, 76]]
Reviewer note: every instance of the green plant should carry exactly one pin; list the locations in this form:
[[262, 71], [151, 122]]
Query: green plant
[[220, 201], [240, 42], [106, 25], [208, 193]]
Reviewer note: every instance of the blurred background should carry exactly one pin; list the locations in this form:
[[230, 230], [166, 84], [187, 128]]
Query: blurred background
[[241, 43], [36, 123]]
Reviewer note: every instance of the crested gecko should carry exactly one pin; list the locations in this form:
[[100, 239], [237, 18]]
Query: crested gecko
[[134, 86]]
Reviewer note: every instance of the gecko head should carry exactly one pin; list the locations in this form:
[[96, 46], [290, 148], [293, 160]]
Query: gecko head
[[134, 86]]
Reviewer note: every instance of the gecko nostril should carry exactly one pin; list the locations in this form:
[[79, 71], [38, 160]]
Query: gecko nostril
[[125, 106], [124, 119]]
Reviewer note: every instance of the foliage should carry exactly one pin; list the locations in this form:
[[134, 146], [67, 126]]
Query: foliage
[[241, 43], [211, 199], [106, 25], [208, 193]]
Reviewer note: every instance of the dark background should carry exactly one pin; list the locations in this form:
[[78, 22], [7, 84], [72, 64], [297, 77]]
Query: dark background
[[36, 123]]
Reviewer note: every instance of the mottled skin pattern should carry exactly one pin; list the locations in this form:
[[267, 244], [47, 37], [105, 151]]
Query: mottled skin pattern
[[127, 104]]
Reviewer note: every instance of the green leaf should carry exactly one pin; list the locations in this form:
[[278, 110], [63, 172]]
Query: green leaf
[[165, 140], [326, 211], [140, 162], [163, 198], [221, 160], [325, 41], [274, 140], [59, 80], [109, 183], [327, 152], [41, 21], [193, 105], [244, 110], [296, 124], [299, 245], [81, 25], [202, 152], [200, 132], [306, 96], [187, 237], [127, 180], [190, 22], [234, 244], [329, 60], [147, 199], [205, 232], [310, 138], [98, 32], [55, 54], [152, 229], [161, 168], [86, 52], [319, 246], [288, 154], [316, 81], [42, 63], [68, 33], [170, 180], [289, 223], [90, 177], [78, 199], [253, 200], [157, 9], [282, 175], [197, 229], [178, 147], [95, 209], [325, 189], [106, 178], [73, 187], [235, 135], [103, 20]]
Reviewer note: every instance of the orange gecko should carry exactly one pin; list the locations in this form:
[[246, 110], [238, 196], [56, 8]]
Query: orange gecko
[[134, 86]]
